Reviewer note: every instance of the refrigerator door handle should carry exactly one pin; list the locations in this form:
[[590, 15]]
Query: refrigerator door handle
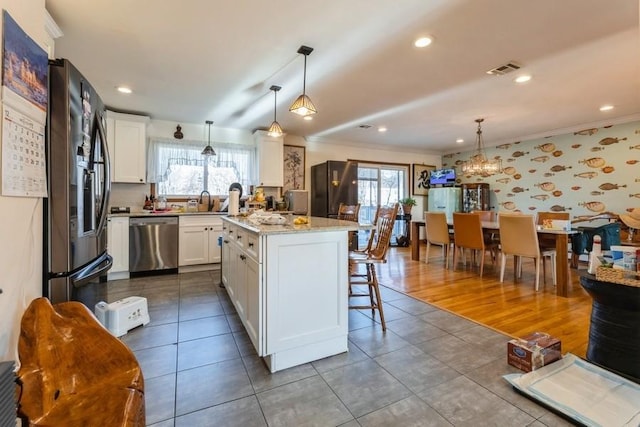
[[106, 183], [92, 270]]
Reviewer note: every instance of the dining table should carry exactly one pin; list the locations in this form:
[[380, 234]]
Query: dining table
[[561, 238]]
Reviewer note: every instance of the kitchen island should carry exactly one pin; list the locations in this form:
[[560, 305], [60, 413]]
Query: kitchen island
[[289, 285]]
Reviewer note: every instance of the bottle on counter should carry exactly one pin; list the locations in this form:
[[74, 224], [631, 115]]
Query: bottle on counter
[[596, 251]]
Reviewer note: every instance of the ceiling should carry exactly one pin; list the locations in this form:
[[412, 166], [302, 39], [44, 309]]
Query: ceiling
[[196, 60]]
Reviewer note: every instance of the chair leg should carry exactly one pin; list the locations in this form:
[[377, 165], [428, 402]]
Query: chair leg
[[553, 268], [378, 299], [503, 262], [538, 260], [481, 263], [426, 261]]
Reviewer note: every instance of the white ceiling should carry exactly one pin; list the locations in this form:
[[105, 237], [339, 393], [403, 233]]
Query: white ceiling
[[195, 60]]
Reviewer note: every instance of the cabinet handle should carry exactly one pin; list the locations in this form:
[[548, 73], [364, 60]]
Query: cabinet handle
[[226, 241], [242, 257], [230, 231], [239, 237], [250, 245], [141, 180]]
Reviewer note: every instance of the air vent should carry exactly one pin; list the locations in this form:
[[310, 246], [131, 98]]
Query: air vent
[[504, 69]]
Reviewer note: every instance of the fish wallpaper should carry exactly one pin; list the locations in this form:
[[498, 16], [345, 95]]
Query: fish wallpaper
[[585, 173]]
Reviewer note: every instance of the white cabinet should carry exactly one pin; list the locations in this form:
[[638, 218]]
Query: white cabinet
[[242, 278], [270, 159], [198, 240], [118, 247], [126, 138]]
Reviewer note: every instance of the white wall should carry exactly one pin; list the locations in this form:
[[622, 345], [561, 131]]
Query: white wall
[[21, 223]]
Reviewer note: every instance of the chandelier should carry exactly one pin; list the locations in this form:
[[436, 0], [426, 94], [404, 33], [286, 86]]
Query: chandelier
[[479, 164]]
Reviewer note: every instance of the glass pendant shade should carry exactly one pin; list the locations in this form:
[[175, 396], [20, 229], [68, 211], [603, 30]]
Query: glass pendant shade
[[479, 164], [275, 129], [208, 150], [303, 105]]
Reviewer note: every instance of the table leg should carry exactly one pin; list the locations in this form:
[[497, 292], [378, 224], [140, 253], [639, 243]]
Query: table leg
[[562, 269], [415, 242]]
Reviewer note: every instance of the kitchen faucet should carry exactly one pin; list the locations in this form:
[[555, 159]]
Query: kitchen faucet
[[208, 199]]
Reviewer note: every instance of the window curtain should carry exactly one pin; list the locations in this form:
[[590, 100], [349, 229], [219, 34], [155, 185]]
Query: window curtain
[[162, 153]]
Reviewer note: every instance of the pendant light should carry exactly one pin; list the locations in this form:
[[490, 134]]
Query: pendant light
[[208, 150], [275, 129], [479, 164], [303, 105]]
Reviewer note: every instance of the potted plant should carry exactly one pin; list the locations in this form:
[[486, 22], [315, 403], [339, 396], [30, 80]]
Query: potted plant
[[407, 203]]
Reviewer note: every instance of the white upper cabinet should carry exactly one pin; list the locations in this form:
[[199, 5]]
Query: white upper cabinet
[[270, 158], [126, 137]]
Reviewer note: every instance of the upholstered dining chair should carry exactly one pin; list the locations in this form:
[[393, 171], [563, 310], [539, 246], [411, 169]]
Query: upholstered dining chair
[[519, 237], [468, 234], [386, 217], [489, 216], [437, 233]]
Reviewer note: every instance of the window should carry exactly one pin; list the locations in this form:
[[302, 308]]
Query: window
[[180, 170], [381, 184]]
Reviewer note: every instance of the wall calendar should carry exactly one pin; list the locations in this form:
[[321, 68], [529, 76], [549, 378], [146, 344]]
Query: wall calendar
[[24, 171]]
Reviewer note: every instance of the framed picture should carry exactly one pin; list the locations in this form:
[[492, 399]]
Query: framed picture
[[421, 175], [293, 164]]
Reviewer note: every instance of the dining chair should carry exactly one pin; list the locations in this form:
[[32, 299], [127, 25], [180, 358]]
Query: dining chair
[[350, 213], [548, 244], [519, 237], [468, 234], [437, 233], [489, 216], [386, 217]]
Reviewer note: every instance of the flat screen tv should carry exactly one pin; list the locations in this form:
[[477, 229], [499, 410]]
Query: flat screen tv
[[442, 176]]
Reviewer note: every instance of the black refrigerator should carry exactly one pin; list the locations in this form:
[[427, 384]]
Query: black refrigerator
[[75, 256], [333, 182]]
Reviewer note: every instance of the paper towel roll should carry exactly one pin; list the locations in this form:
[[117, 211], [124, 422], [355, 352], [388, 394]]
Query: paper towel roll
[[234, 202]]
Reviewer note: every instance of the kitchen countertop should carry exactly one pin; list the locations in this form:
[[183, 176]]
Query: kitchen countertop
[[175, 213], [315, 225]]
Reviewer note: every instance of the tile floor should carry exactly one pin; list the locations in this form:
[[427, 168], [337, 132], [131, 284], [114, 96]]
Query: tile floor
[[431, 368]]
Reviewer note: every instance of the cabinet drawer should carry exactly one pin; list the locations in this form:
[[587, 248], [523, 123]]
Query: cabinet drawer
[[241, 237], [207, 220], [252, 246]]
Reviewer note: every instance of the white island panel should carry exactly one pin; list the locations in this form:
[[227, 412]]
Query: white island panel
[[307, 277]]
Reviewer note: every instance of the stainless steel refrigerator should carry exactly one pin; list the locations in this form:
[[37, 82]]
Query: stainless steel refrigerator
[[75, 256], [333, 182]]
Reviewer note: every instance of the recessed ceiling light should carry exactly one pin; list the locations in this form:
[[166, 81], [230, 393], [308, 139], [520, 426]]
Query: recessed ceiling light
[[423, 41], [382, 129], [522, 79], [459, 140], [307, 118], [606, 108], [124, 89]]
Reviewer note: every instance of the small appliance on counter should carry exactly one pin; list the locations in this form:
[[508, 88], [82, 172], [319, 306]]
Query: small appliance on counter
[[298, 201]]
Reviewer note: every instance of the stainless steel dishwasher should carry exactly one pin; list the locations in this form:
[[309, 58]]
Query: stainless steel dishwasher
[[153, 245]]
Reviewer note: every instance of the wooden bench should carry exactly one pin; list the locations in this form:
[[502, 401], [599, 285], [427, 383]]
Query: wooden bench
[[73, 372]]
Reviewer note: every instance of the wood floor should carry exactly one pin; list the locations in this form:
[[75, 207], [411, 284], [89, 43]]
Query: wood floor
[[512, 307]]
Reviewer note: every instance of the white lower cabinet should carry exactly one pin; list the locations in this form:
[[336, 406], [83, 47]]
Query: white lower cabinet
[[293, 307], [198, 240], [118, 247]]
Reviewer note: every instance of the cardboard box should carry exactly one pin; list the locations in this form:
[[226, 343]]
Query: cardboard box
[[533, 351]]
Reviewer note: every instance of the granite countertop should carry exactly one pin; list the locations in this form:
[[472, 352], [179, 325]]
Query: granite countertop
[[316, 224], [164, 213]]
